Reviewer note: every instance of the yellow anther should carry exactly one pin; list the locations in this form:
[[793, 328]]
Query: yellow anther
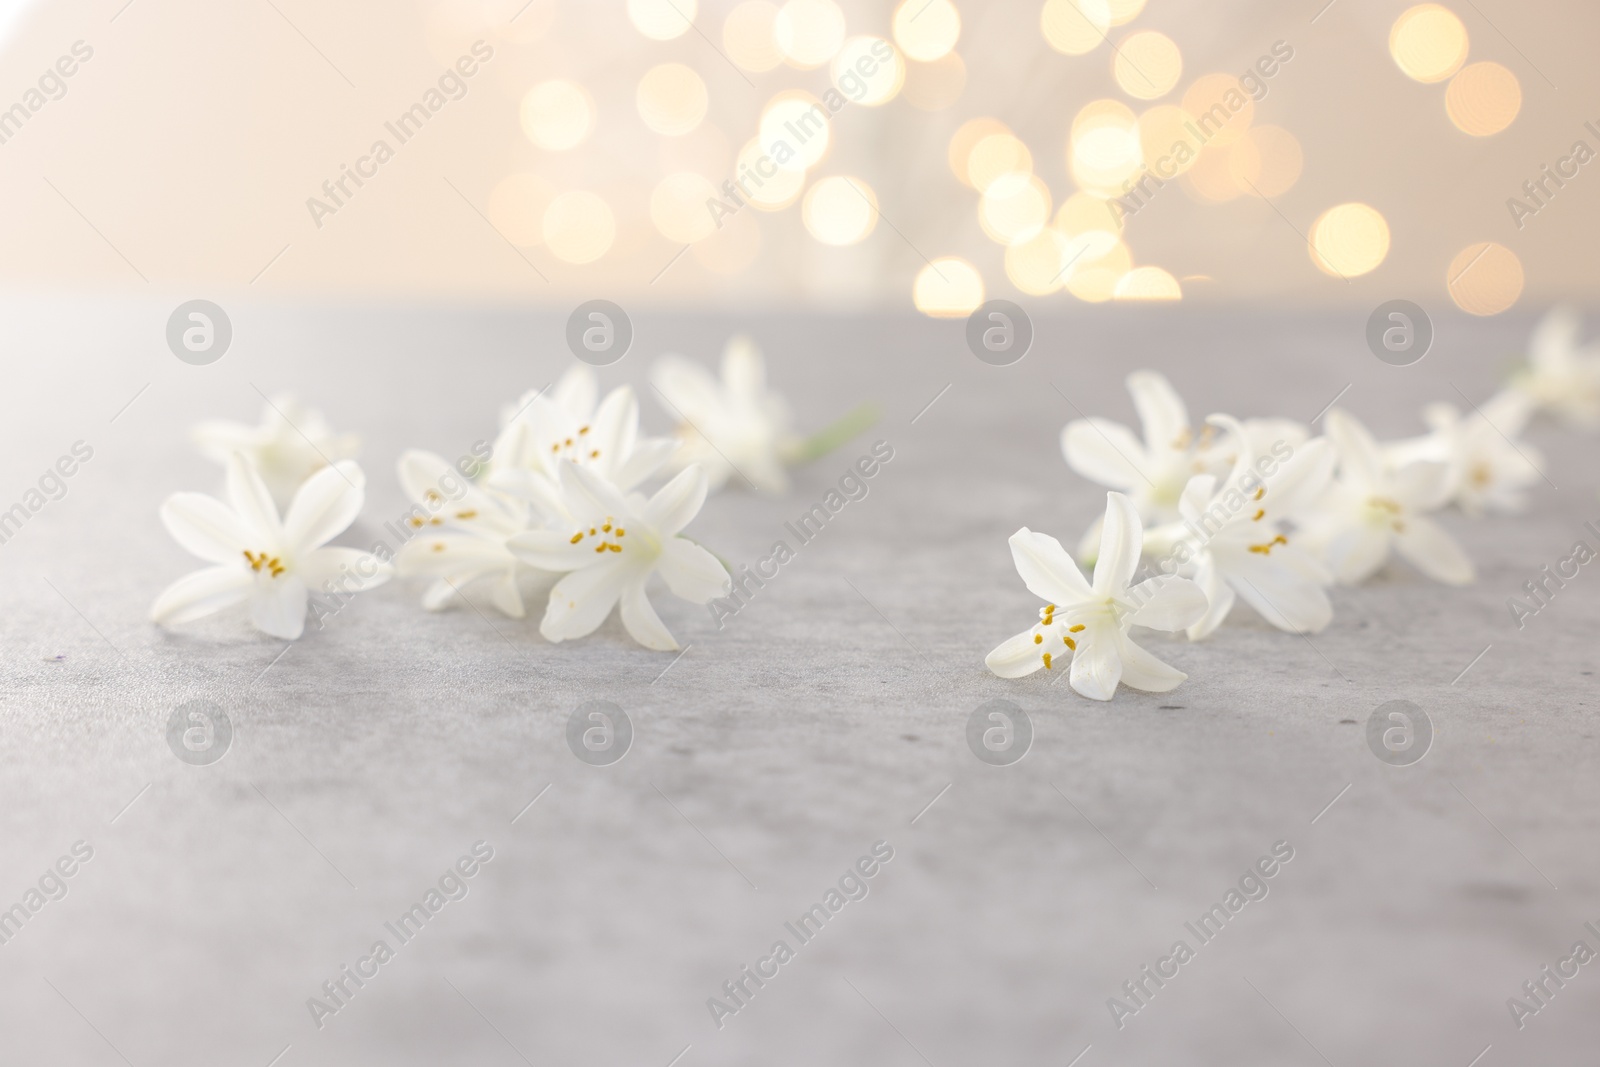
[[599, 548], [577, 537], [1075, 629], [1038, 639], [583, 430], [415, 521], [620, 531], [606, 527], [1047, 661], [1258, 515], [1069, 642], [438, 546], [595, 454], [615, 548], [569, 442], [1260, 493], [470, 513]]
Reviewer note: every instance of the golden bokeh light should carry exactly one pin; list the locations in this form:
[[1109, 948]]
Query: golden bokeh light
[[1015, 208], [662, 20], [1349, 240], [1267, 158], [795, 130], [962, 142], [671, 99], [1147, 65], [1037, 266], [809, 32], [935, 86], [840, 210], [1082, 213], [578, 227], [1211, 178], [557, 115], [1485, 278], [1428, 43], [1170, 147], [948, 288], [705, 150], [678, 207], [926, 29], [517, 205], [763, 183], [865, 78], [1124, 11], [1106, 149], [995, 157], [1074, 27], [1147, 283], [1094, 281], [1221, 110], [1483, 99], [732, 248], [748, 38]]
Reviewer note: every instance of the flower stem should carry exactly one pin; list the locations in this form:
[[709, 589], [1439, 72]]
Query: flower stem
[[835, 434]]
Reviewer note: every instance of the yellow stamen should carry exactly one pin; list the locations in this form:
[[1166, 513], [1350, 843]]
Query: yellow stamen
[[1260, 493], [1047, 661], [1075, 629], [615, 548], [583, 430], [577, 537], [1257, 516], [1038, 639], [1069, 642], [470, 513], [439, 547]]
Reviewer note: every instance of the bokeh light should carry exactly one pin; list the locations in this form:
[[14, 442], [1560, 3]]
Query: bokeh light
[[1483, 99], [1094, 279], [865, 78], [935, 86], [1014, 208], [1267, 158], [948, 288], [1349, 240], [678, 207], [1124, 11], [840, 210], [764, 184], [1074, 27], [1485, 278], [1168, 144], [1147, 64], [557, 115], [731, 248], [671, 99], [1037, 266], [926, 29], [1106, 148], [516, 207], [809, 32], [795, 130], [748, 38], [578, 227], [1085, 216], [1211, 177], [1147, 283], [996, 156], [662, 20], [965, 139], [1428, 42], [705, 150], [1221, 109]]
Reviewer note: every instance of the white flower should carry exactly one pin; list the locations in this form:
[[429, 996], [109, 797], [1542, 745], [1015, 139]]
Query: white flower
[[1562, 377], [610, 550], [461, 534], [552, 433], [290, 445], [735, 426], [257, 558], [1154, 471], [576, 393], [1092, 622], [1371, 508], [1488, 467], [1233, 543]]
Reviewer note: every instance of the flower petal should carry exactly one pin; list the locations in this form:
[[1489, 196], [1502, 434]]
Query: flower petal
[[1427, 547], [252, 502], [577, 392], [550, 550], [649, 455], [1220, 599], [1360, 458], [1424, 485], [1046, 569], [278, 606], [1017, 656], [1097, 665], [616, 426], [1161, 412], [1167, 602], [641, 620], [743, 370], [591, 498], [688, 388], [677, 502], [1356, 552], [1284, 589], [1142, 671], [1121, 542], [1104, 452], [505, 595], [324, 507], [580, 602], [206, 527], [201, 593], [691, 572]]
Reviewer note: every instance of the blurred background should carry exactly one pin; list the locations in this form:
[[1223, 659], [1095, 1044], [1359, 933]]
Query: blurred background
[[1355, 150]]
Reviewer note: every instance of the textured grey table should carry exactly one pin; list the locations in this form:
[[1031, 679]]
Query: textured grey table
[[822, 719]]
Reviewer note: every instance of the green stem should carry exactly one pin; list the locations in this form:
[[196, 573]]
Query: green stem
[[835, 434]]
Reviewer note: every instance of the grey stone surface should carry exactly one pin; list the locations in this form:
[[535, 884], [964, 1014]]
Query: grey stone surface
[[821, 719]]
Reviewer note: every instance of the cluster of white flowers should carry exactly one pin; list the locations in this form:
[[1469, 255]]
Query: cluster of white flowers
[[1259, 510], [559, 494]]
